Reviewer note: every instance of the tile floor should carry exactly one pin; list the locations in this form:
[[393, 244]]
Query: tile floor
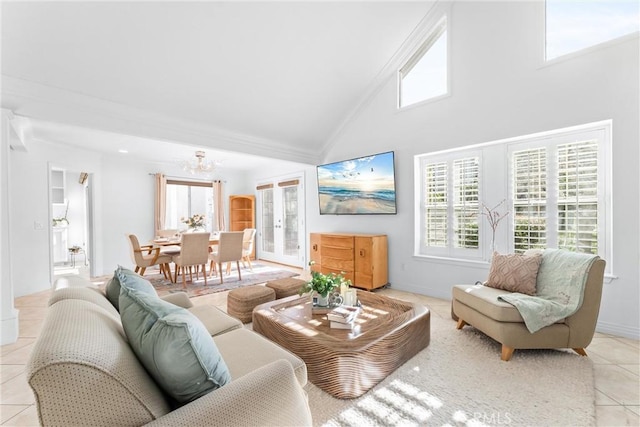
[[617, 364]]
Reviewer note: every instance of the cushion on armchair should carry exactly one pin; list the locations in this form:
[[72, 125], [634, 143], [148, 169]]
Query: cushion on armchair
[[514, 272], [172, 344]]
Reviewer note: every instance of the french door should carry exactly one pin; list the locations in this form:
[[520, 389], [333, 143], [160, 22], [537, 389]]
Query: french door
[[281, 232]]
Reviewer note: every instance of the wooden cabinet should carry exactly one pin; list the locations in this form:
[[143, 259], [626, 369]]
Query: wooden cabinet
[[361, 257], [242, 214]]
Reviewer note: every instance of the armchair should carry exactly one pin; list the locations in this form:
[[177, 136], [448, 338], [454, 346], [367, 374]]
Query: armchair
[[479, 306], [146, 256]]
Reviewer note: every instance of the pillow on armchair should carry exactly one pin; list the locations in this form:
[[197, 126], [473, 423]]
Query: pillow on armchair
[[172, 344], [514, 272]]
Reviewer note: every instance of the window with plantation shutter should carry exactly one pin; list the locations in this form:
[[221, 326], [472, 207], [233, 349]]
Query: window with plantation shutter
[[530, 199], [578, 196], [436, 205], [465, 202], [450, 207], [551, 188]]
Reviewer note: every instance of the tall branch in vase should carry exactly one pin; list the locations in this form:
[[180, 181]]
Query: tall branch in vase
[[494, 217]]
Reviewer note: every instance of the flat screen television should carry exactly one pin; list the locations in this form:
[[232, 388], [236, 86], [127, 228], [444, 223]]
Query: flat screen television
[[361, 186]]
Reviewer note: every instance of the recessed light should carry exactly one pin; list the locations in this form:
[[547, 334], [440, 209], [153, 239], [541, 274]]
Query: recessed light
[[123, 151]]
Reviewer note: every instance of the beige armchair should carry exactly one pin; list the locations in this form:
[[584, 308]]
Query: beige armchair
[[229, 249], [248, 241], [194, 252], [146, 256], [479, 307]]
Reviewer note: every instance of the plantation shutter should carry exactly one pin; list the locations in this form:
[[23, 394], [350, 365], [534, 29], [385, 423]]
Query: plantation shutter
[[578, 196], [465, 202], [435, 204], [529, 197]]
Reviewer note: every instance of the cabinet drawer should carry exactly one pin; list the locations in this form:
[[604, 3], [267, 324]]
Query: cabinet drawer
[[336, 263], [337, 241], [339, 253]]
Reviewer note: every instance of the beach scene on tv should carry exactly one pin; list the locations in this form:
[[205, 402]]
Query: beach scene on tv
[[358, 186]]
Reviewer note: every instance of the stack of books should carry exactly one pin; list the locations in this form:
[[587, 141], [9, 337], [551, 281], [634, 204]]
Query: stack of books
[[343, 317]]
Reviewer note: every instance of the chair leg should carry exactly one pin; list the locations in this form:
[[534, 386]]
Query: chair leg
[[461, 324], [239, 275], [580, 351], [184, 278], [175, 278], [507, 352], [228, 268], [221, 275], [142, 271], [204, 273], [248, 259], [137, 269]]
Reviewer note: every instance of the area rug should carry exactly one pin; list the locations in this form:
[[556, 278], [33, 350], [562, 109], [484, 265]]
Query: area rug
[[261, 273], [459, 380]]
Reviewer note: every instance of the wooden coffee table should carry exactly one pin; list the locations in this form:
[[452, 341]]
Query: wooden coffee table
[[347, 363]]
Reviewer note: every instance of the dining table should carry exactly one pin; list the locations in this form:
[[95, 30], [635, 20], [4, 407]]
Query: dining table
[[164, 242]]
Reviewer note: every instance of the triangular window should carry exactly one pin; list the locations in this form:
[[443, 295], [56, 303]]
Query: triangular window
[[425, 74]]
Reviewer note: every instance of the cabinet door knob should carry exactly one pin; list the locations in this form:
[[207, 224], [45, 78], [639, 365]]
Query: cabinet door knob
[[315, 247], [362, 252]]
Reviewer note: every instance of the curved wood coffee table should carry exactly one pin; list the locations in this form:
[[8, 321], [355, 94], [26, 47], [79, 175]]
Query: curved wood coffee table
[[347, 363]]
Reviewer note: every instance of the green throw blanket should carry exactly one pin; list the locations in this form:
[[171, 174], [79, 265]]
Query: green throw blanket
[[559, 291]]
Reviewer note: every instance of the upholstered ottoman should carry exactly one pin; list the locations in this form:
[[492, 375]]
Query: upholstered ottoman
[[286, 287], [241, 301]]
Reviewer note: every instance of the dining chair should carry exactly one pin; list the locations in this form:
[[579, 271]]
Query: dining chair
[[229, 250], [248, 240], [147, 255], [194, 252]]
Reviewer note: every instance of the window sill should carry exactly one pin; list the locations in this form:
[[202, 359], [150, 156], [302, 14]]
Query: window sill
[[462, 262]]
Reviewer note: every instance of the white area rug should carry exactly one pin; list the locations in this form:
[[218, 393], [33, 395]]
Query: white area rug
[[459, 380]]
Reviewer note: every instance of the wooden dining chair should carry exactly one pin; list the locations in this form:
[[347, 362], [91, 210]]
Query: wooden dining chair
[[194, 252], [229, 250], [147, 255]]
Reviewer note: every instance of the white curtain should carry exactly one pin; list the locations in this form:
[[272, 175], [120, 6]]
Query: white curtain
[[218, 206], [160, 209]]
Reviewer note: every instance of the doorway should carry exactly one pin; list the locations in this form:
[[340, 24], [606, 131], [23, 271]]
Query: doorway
[[281, 220], [71, 222]]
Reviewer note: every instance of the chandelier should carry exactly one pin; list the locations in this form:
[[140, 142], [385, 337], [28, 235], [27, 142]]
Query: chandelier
[[199, 165]]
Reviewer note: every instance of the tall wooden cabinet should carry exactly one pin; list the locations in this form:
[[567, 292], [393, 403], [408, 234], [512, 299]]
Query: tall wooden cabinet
[[362, 257], [242, 214]]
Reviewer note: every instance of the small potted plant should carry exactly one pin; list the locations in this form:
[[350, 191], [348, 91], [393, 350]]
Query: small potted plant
[[323, 285]]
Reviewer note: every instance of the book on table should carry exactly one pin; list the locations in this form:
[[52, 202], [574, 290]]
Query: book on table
[[339, 325], [343, 314]]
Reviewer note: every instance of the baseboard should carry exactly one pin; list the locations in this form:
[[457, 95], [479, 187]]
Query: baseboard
[[618, 330], [9, 329], [442, 293]]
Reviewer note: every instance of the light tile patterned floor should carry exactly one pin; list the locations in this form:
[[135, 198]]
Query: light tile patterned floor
[[617, 363]]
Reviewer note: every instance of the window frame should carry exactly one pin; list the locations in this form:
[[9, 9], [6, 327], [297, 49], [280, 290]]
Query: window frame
[[449, 250], [500, 182], [193, 183]]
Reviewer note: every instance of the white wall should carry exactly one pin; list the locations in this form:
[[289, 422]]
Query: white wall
[[29, 209], [500, 89]]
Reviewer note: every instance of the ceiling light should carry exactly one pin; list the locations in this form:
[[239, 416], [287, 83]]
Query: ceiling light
[[123, 151], [199, 165]]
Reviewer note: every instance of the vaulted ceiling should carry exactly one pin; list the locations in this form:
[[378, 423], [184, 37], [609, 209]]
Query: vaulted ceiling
[[278, 79]]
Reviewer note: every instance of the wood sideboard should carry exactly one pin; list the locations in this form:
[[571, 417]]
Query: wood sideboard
[[362, 258]]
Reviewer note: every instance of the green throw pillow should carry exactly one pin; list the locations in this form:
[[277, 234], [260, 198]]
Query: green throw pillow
[[172, 344], [112, 289]]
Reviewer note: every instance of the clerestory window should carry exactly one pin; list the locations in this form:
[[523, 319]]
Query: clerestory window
[[572, 26], [425, 75]]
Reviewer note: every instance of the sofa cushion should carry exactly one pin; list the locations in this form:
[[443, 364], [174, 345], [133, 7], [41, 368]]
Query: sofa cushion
[[485, 300], [247, 351], [112, 288], [215, 320], [172, 344], [514, 272]]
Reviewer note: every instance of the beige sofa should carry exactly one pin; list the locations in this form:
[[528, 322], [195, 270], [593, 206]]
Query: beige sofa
[[83, 372], [479, 306]]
